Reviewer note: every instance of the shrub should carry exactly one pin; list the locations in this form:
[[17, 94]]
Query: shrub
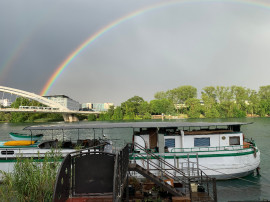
[[32, 179]]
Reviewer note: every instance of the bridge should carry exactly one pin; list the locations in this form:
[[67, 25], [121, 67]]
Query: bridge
[[51, 106]]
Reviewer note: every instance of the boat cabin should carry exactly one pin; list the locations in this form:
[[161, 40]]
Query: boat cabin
[[197, 137]]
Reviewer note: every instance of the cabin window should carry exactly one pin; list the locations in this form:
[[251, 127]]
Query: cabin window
[[170, 142], [235, 140], [202, 142]]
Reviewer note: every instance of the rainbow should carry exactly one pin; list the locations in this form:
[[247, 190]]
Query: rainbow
[[125, 18], [17, 51]]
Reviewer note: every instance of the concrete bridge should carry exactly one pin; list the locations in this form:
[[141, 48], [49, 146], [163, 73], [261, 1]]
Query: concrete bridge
[[52, 107]]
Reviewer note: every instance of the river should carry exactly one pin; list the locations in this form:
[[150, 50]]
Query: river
[[250, 188]]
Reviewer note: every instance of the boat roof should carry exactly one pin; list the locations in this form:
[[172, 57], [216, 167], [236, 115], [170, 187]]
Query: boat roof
[[107, 125]]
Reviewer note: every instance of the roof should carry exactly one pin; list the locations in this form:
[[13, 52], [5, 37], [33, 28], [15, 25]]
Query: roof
[[107, 125]]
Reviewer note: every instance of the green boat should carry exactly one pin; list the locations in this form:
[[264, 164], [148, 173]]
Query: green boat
[[18, 136]]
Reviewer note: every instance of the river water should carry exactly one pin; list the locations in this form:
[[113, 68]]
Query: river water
[[251, 188]]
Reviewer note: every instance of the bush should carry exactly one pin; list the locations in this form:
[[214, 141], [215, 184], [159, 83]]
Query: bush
[[32, 179], [92, 117]]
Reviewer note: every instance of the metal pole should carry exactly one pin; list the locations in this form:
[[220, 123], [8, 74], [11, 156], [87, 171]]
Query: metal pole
[[147, 161], [198, 174], [188, 166], [94, 139], [127, 190], [215, 189], [174, 164]]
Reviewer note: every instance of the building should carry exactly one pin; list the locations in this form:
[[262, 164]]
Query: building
[[101, 107], [86, 106], [65, 101], [5, 103]]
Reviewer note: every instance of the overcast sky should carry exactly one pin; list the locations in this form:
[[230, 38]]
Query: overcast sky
[[200, 43]]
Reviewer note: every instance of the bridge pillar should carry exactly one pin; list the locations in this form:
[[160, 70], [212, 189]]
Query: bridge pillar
[[70, 118]]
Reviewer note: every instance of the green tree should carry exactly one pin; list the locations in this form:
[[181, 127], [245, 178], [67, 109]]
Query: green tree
[[92, 117], [162, 106], [129, 113], [18, 117], [210, 104], [118, 114], [182, 93], [132, 104], [194, 107], [253, 102], [160, 95], [144, 108], [264, 92]]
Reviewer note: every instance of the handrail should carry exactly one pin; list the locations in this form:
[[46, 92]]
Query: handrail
[[164, 171], [202, 178], [209, 149], [88, 149]]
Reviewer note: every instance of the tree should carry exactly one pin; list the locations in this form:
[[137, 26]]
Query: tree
[[162, 106], [132, 104], [209, 92], [194, 107], [264, 92], [92, 117], [183, 93], [143, 108], [160, 95], [118, 114]]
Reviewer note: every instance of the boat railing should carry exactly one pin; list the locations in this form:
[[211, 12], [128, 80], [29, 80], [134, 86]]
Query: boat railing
[[209, 149], [158, 165]]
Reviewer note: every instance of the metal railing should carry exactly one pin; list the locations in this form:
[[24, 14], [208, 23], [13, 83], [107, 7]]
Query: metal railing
[[208, 149], [171, 171]]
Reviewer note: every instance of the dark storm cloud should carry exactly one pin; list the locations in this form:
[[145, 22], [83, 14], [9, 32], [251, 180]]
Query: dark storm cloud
[[199, 44]]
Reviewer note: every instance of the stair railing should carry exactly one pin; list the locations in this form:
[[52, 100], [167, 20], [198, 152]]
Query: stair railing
[[177, 174]]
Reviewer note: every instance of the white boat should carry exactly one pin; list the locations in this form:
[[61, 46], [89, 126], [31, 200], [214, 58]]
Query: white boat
[[218, 149], [11, 150]]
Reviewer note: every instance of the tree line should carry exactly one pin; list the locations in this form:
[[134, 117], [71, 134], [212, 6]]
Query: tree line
[[213, 102]]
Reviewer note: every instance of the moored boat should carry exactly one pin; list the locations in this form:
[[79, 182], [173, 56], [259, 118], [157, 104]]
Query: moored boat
[[218, 149], [18, 136]]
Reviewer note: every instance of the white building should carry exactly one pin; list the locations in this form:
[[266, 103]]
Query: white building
[[5, 103], [64, 101], [97, 106]]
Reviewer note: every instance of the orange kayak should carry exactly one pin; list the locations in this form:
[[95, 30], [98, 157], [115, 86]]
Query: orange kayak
[[19, 143]]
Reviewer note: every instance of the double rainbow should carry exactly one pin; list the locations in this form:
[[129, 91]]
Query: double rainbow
[[125, 18]]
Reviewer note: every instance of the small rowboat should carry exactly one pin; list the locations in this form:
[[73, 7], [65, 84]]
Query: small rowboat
[[18, 136]]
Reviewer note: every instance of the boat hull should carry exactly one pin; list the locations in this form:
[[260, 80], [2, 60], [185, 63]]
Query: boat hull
[[17, 136], [221, 165], [9, 156]]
